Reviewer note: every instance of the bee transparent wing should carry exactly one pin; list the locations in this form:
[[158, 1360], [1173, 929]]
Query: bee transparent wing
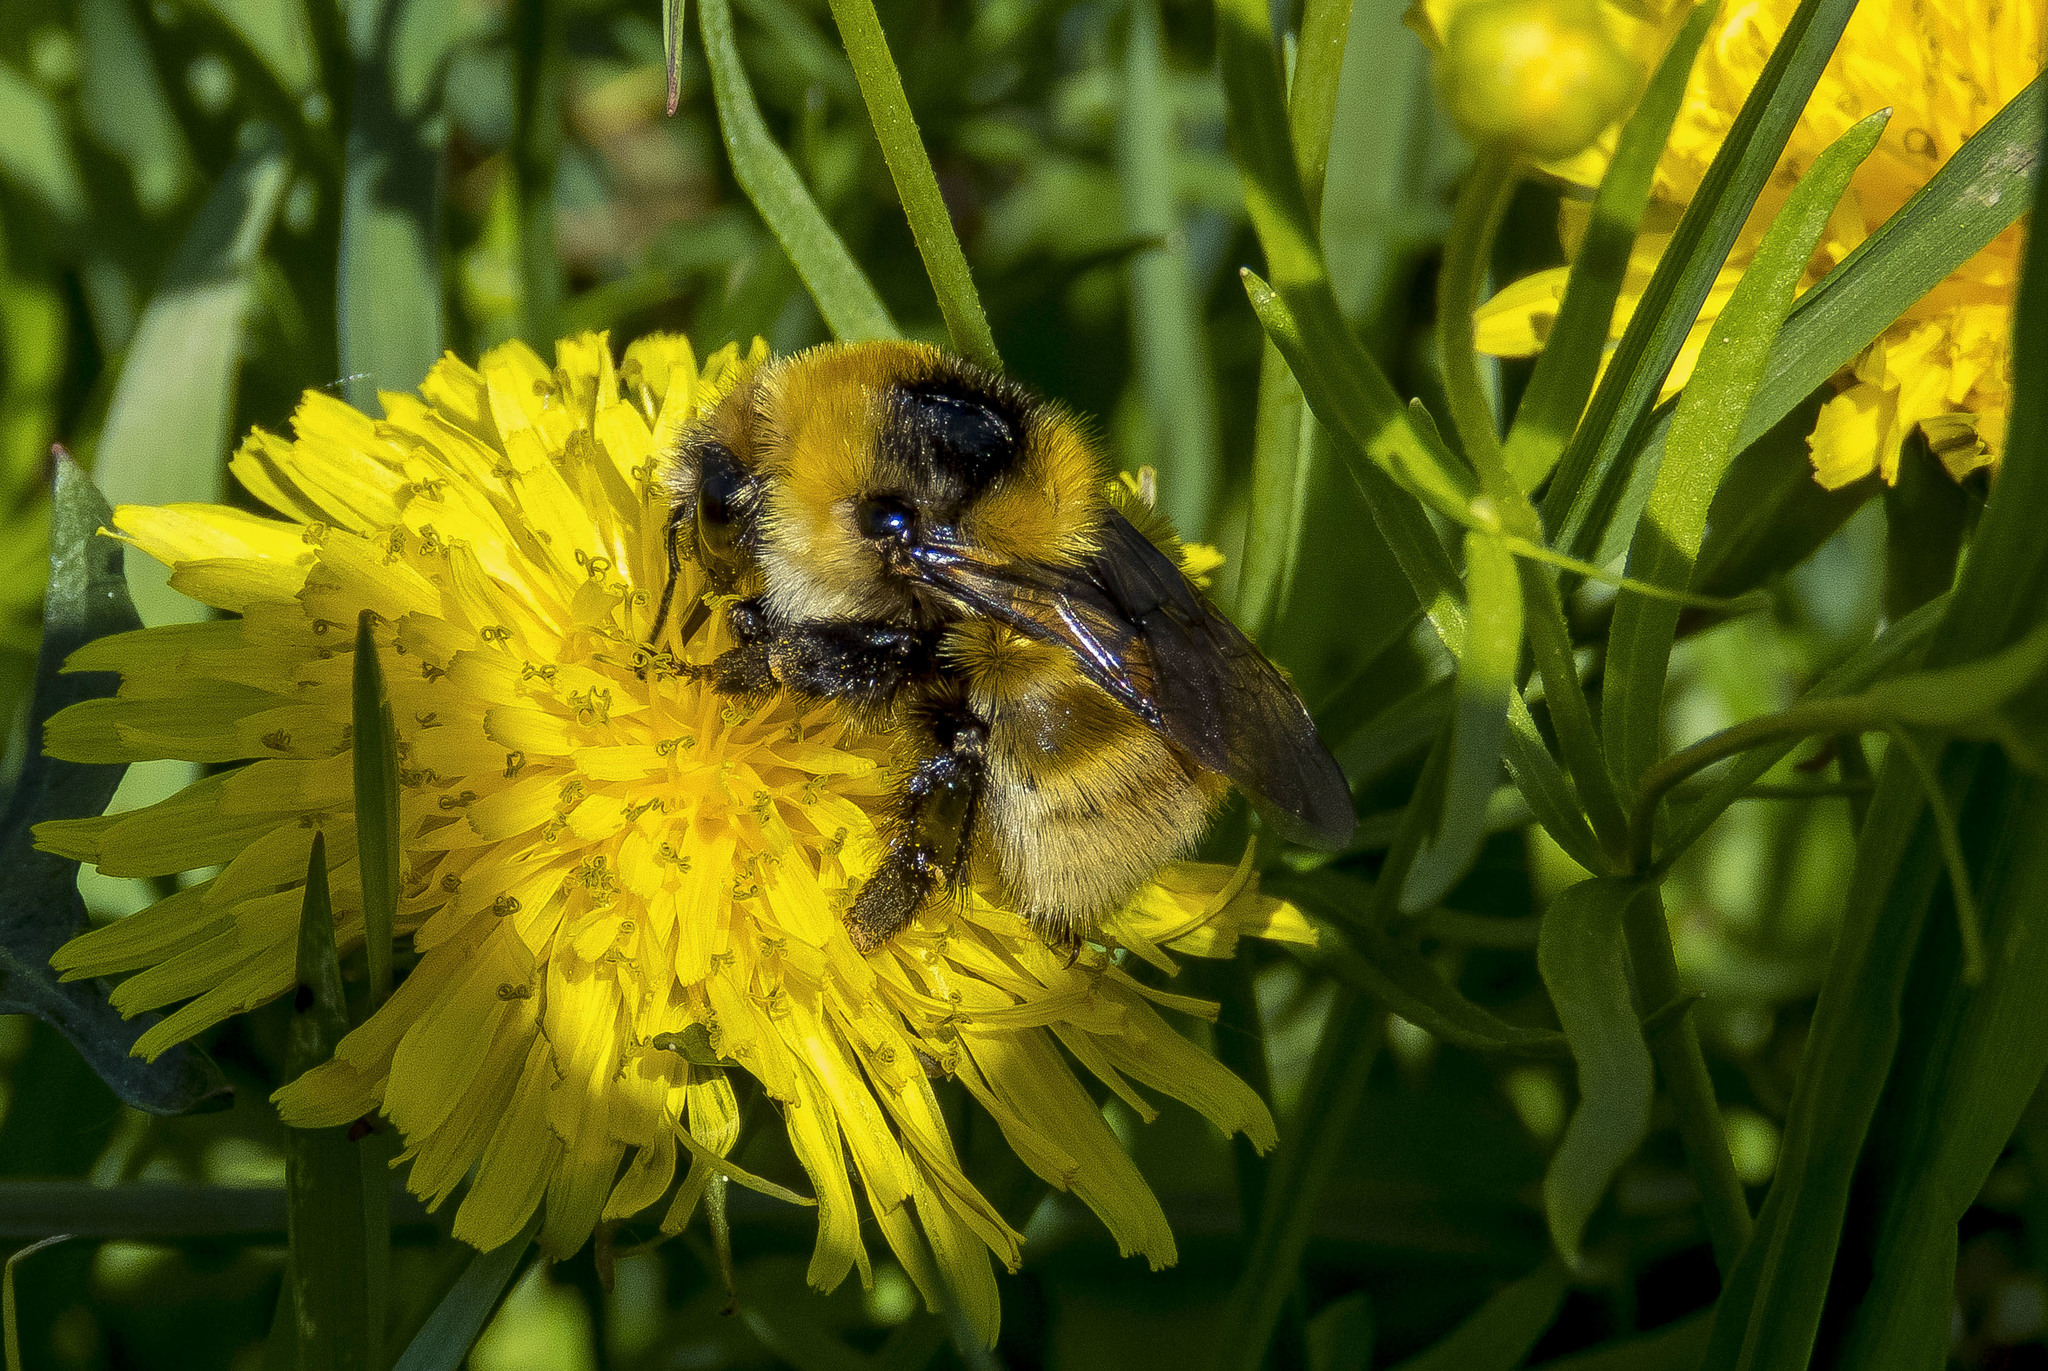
[[1138, 629]]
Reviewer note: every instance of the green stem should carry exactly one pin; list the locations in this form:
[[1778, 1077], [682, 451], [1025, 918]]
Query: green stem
[[1968, 926], [1675, 1043], [1481, 205], [916, 184]]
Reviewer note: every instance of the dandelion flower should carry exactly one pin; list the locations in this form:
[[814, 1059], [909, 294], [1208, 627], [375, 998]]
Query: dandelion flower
[[613, 877], [1945, 366]]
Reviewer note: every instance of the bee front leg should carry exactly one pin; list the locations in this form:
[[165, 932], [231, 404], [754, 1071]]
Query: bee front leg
[[934, 830]]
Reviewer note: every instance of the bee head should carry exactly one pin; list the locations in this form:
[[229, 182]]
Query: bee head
[[841, 471]]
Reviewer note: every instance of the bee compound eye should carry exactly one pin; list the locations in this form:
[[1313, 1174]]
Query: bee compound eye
[[881, 517], [719, 489]]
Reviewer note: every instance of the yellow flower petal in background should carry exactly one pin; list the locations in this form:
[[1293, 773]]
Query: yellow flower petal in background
[[602, 856], [1945, 67]]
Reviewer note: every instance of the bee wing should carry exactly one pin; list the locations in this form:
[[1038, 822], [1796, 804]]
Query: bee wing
[[1138, 629]]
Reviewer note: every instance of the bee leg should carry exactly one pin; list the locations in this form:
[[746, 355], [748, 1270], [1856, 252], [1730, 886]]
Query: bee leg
[[932, 842]]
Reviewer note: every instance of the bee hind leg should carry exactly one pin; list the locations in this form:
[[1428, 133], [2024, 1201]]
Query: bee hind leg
[[933, 833]]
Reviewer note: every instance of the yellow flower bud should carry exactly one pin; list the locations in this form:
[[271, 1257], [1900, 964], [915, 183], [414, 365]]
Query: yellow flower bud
[[1541, 76]]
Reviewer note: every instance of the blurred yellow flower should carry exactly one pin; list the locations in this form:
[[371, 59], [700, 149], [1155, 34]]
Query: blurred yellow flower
[[624, 891], [1945, 67]]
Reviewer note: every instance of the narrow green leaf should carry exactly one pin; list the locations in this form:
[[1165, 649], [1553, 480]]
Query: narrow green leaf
[[1501, 1333], [1771, 1309], [36, 156], [672, 48], [40, 908], [1392, 971], [844, 296], [1167, 335], [1770, 514], [168, 423], [1700, 446], [121, 97], [1926, 515], [1968, 925], [1312, 92], [10, 1323], [1969, 1076], [330, 1257], [860, 29], [375, 762], [1342, 1334], [1274, 517], [1976, 195], [1892, 651], [1570, 361], [538, 31], [1479, 720], [1581, 956], [443, 1343], [1674, 1347], [1309, 1156], [1595, 467], [1468, 252], [389, 306]]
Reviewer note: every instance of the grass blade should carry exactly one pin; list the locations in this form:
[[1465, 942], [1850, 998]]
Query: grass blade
[[1587, 485], [843, 294], [1501, 1333], [330, 1272], [1275, 518], [1308, 1158], [1167, 336], [452, 1329], [1976, 195], [538, 61], [1771, 1310], [860, 29], [1312, 93], [167, 426], [1479, 721], [389, 306], [1570, 361], [1580, 954], [1701, 444]]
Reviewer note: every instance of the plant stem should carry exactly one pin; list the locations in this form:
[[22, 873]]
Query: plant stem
[[916, 184], [1675, 1044]]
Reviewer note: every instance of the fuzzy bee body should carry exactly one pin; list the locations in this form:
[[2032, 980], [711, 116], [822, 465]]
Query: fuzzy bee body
[[928, 545]]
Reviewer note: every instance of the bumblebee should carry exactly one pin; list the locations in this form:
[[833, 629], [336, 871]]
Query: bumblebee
[[930, 546]]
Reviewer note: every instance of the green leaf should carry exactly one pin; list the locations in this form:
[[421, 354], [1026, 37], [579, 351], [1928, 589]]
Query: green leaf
[[1770, 514], [375, 768], [389, 307], [1167, 335], [672, 48], [843, 294], [1572, 351], [916, 184], [1976, 195], [451, 1330], [1275, 515], [1772, 1308], [168, 423], [40, 908], [1701, 443], [122, 100], [1342, 1333], [1501, 1333], [1580, 954], [539, 66], [1597, 463], [331, 1299], [1926, 513], [1479, 720], [1892, 651], [1309, 1157], [35, 156], [1674, 1347]]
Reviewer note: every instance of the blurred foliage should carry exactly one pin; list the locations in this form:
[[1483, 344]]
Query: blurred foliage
[[175, 181]]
